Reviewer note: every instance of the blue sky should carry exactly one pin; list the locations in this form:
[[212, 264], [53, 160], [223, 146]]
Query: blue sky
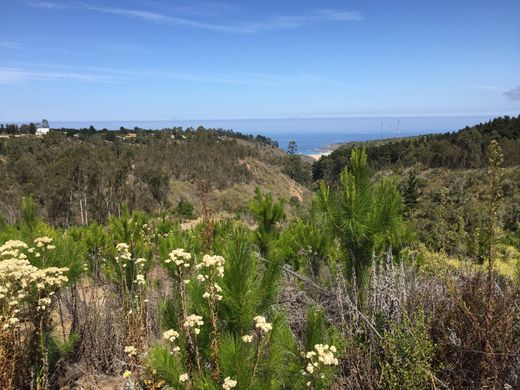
[[158, 59]]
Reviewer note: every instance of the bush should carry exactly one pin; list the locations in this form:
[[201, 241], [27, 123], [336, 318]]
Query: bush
[[407, 354]]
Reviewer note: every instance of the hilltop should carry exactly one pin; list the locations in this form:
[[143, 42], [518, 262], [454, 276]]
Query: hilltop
[[78, 176], [463, 149]]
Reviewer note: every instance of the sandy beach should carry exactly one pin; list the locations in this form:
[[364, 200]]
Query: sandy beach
[[317, 156]]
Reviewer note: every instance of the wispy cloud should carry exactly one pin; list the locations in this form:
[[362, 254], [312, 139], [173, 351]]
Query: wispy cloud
[[19, 75], [9, 45], [26, 72], [513, 94], [281, 22], [44, 4]]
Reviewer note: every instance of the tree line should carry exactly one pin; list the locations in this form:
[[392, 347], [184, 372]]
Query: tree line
[[463, 149]]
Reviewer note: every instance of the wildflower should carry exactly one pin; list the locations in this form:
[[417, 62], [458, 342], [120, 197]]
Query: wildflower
[[262, 324], [170, 335], [229, 383], [42, 242], [13, 244], [124, 251], [140, 261], [13, 320], [247, 338], [43, 303], [194, 321], [131, 350], [206, 295], [179, 257], [184, 377], [310, 354], [210, 261], [127, 374], [139, 279], [326, 355]]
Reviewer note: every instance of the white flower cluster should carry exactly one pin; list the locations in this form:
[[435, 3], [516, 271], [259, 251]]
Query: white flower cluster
[[179, 257], [170, 335], [322, 356], [44, 242], [262, 324], [211, 266], [213, 261], [44, 303], [13, 244], [130, 350], [140, 280], [20, 280], [13, 249], [229, 383], [247, 338], [123, 252], [194, 321], [184, 377]]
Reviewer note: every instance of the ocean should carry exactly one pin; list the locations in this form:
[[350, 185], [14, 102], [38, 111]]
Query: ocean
[[311, 135]]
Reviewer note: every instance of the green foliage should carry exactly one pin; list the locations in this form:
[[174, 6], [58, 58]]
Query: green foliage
[[306, 245], [407, 355], [242, 281], [315, 329], [410, 193], [162, 360], [29, 215], [267, 213], [87, 177], [184, 209], [364, 215]]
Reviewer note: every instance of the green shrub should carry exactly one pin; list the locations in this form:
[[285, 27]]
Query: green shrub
[[407, 354]]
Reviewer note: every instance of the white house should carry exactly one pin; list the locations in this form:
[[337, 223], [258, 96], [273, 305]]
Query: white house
[[43, 128]]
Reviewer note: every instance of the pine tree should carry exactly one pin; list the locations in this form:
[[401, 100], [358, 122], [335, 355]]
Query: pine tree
[[362, 214]]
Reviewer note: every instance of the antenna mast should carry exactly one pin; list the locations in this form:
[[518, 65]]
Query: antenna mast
[[398, 128]]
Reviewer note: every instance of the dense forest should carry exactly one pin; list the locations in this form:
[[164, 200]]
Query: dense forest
[[388, 274]]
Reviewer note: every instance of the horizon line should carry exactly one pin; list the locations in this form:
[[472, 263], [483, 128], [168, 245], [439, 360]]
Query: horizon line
[[253, 118]]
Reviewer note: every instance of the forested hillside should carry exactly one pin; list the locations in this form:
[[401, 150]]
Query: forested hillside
[[440, 180], [464, 149], [81, 176]]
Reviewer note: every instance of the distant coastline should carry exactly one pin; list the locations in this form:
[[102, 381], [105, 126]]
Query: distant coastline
[[314, 137]]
